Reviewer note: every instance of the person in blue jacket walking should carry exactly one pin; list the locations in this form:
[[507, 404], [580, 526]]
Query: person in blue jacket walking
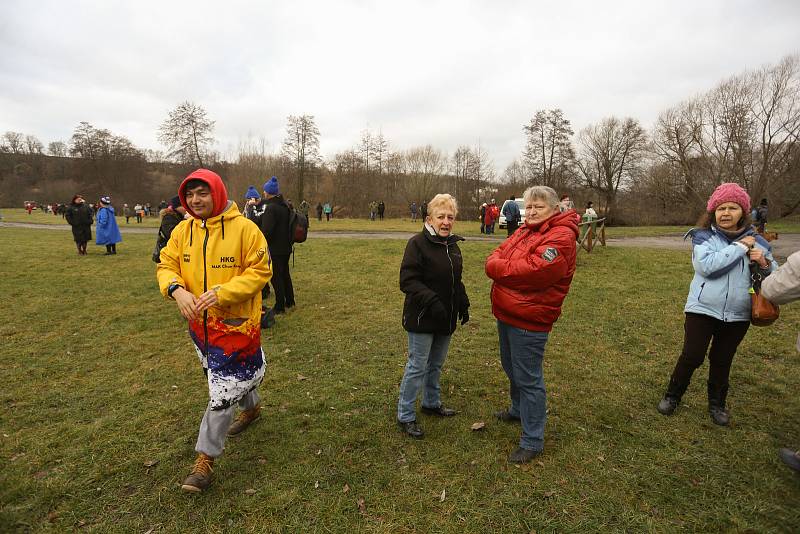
[[107, 229], [718, 306]]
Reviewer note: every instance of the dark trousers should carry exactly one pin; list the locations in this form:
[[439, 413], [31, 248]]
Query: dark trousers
[[699, 331], [511, 227], [282, 283]]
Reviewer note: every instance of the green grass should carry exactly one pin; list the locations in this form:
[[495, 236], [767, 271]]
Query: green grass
[[99, 379], [38, 217]]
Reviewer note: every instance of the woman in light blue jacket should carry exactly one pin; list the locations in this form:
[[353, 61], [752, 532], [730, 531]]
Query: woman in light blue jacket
[[718, 306]]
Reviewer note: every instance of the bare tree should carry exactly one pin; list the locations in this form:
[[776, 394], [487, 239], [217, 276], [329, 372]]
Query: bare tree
[[301, 149], [13, 142], [57, 148], [548, 152], [424, 167], [610, 155], [33, 145], [188, 133]]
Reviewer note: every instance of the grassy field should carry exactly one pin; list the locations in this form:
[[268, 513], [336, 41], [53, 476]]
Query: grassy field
[[103, 396]]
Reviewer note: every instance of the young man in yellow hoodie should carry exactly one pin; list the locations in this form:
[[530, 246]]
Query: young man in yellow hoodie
[[214, 267]]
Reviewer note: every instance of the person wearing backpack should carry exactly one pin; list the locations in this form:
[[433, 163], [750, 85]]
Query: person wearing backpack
[[275, 225]]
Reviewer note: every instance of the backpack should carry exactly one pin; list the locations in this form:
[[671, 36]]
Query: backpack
[[298, 227]]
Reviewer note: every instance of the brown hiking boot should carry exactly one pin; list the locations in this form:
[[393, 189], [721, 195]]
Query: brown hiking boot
[[243, 420], [201, 475]]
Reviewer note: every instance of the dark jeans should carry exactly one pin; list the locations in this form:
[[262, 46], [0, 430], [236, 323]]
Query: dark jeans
[[699, 331], [282, 283], [511, 227]]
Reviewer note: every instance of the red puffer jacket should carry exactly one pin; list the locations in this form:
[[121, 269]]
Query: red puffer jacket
[[532, 271]]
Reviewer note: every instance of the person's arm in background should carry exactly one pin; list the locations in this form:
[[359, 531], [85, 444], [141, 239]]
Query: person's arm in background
[[783, 285]]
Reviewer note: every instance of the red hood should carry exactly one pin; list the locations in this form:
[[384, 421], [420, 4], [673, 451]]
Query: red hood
[[218, 192], [568, 218]]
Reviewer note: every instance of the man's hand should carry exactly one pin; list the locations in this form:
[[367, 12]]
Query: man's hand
[[187, 303], [207, 300]]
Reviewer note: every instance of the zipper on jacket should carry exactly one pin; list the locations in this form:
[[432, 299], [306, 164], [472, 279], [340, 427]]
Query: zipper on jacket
[[452, 284], [699, 295], [205, 288]]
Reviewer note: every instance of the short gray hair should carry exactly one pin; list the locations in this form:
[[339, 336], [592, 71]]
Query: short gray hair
[[541, 192], [443, 200]]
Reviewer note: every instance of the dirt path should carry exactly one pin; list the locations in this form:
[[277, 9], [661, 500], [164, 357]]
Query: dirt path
[[782, 247]]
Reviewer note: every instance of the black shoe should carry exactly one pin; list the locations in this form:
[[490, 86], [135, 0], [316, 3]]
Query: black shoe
[[523, 456], [412, 429], [441, 411], [667, 405], [719, 415], [790, 458], [506, 417], [267, 319]]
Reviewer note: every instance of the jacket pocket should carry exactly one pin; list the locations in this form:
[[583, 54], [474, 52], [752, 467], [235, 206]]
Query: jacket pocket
[[700, 294]]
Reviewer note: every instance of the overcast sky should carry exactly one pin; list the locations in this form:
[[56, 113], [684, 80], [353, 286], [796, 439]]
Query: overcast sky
[[444, 73]]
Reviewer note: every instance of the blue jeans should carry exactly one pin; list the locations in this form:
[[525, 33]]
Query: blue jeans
[[521, 353], [426, 354]]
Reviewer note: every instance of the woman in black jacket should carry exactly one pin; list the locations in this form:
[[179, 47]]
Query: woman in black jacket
[[79, 216], [430, 276]]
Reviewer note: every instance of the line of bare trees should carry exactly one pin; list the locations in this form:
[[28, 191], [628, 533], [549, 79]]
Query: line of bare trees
[[745, 130]]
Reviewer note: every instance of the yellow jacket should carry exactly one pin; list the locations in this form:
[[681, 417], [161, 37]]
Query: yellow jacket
[[227, 253]]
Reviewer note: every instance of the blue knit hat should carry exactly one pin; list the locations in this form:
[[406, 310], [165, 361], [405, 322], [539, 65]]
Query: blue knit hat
[[271, 187], [252, 192]]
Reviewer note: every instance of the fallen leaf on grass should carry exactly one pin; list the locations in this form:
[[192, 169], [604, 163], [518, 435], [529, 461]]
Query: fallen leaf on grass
[[301, 377], [16, 457], [540, 463], [319, 451], [250, 491], [150, 531], [346, 488], [477, 426], [362, 506], [548, 494], [52, 516], [150, 463], [262, 460], [443, 496], [601, 458], [287, 351], [316, 484], [38, 475]]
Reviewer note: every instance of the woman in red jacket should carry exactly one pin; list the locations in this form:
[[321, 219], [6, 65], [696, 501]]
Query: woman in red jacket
[[532, 271]]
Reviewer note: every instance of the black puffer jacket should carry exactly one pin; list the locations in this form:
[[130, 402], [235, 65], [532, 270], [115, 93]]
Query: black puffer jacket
[[430, 276]]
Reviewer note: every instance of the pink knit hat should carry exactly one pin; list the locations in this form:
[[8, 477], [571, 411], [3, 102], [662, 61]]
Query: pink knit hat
[[729, 192]]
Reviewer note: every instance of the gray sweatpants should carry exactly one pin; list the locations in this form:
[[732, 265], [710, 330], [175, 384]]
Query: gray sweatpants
[[215, 424]]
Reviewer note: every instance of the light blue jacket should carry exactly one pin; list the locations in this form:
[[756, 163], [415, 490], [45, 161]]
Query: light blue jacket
[[721, 284]]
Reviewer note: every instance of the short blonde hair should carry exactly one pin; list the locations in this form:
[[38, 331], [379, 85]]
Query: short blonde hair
[[541, 192], [442, 200]]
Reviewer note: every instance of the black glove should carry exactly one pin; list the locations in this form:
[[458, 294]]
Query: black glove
[[438, 310], [464, 316]]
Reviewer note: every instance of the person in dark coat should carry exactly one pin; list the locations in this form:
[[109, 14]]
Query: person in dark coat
[[107, 229], [171, 216], [79, 216], [319, 212], [272, 216], [430, 277]]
